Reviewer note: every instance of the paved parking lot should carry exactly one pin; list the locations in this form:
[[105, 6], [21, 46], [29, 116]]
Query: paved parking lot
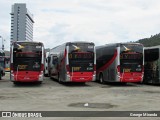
[[52, 96]]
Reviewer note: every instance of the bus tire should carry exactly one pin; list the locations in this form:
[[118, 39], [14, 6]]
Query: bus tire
[[49, 74], [45, 75], [123, 83], [59, 79], [83, 83], [39, 82], [15, 83], [101, 79]]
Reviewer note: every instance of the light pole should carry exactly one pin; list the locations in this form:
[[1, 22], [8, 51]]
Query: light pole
[[2, 42]]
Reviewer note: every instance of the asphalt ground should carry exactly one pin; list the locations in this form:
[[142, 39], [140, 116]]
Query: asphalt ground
[[91, 96]]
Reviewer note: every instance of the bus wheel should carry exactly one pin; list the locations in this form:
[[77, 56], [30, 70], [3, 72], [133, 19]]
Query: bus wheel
[[59, 79], [101, 80], [123, 83], [39, 82], [83, 83], [45, 75], [15, 83]]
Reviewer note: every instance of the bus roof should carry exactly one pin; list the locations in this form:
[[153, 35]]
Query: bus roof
[[123, 43], [152, 47], [26, 42], [66, 43], [117, 44], [80, 42]]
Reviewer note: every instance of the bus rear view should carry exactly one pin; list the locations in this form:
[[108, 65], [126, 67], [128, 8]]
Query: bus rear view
[[27, 62], [74, 62], [120, 62], [81, 57], [131, 67]]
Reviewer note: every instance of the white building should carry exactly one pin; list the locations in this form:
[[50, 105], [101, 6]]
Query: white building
[[21, 23]]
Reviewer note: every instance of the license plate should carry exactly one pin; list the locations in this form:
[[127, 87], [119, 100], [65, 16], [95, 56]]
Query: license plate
[[127, 70]]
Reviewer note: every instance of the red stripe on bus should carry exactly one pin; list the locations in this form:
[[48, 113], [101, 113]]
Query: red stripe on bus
[[108, 63]]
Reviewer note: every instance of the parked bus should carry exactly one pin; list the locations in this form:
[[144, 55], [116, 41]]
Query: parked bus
[[73, 62], [152, 65], [7, 63], [120, 62], [27, 61], [46, 65], [53, 65], [2, 64]]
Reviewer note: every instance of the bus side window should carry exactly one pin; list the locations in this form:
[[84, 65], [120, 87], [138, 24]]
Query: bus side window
[[49, 58], [55, 60]]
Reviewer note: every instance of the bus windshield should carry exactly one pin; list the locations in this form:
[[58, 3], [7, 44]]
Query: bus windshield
[[131, 57], [27, 56], [81, 57], [25, 49], [151, 52]]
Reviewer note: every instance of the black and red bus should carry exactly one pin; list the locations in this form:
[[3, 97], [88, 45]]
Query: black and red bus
[[73, 62], [27, 61], [152, 65], [120, 62]]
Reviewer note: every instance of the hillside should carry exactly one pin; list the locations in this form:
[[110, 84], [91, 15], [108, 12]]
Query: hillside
[[152, 41]]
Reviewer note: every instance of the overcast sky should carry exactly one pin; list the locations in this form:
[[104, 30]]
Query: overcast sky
[[98, 21]]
